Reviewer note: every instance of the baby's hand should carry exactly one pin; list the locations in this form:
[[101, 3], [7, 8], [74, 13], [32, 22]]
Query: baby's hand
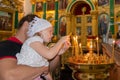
[[65, 46], [65, 39]]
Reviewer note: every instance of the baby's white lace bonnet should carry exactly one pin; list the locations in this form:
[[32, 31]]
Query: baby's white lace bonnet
[[37, 25]]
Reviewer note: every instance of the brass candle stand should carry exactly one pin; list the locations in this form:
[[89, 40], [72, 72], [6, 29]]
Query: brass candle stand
[[90, 66]]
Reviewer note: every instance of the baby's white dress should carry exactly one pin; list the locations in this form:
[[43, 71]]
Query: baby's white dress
[[28, 56]]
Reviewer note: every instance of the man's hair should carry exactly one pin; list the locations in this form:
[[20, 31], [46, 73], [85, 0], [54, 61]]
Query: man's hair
[[27, 18]]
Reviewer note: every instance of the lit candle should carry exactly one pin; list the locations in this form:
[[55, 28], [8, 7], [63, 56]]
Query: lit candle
[[97, 45], [76, 46], [91, 45], [81, 48], [73, 50], [73, 46], [113, 50]]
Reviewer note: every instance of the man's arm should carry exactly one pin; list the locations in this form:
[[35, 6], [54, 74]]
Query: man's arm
[[54, 63], [56, 60], [9, 70]]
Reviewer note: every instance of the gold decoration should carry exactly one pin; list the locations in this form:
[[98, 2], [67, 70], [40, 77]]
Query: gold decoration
[[93, 12], [33, 1], [8, 29], [6, 2], [44, 1], [89, 63], [95, 3], [12, 3]]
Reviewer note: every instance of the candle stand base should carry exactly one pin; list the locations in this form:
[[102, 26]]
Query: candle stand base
[[90, 71]]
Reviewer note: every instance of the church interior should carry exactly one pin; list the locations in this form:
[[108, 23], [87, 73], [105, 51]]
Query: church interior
[[94, 28]]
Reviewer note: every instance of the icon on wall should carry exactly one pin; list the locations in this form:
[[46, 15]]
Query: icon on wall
[[78, 20], [117, 1], [63, 4], [62, 26], [89, 30], [103, 2], [51, 5], [6, 21], [89, 19], [103, 24], [39, 6], [78, 30]]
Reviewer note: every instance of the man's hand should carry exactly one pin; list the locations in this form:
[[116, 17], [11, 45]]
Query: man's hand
[[45, 70]]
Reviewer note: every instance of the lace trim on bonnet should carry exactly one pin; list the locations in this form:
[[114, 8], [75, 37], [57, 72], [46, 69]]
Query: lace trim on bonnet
[[37, 25]]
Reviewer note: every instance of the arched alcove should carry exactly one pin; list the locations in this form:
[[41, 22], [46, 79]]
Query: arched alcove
[[77, 8], [74, 2]]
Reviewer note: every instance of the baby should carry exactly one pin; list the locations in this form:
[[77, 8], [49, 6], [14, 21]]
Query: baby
[[34, 52]]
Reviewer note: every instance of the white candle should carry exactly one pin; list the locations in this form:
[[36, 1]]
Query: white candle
[[81, 48], [76, 46], [91, 45], [113, 50], [97, 45], [73, 46]]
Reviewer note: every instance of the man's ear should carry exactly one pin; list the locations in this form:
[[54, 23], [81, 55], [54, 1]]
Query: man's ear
[[26, 23]]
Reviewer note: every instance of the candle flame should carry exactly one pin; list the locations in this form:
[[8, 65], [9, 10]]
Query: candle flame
[[80, 44], [113, 41], [97, 38]]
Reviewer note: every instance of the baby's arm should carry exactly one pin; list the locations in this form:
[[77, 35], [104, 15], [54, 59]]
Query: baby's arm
[[52, 52], [64, 48]]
